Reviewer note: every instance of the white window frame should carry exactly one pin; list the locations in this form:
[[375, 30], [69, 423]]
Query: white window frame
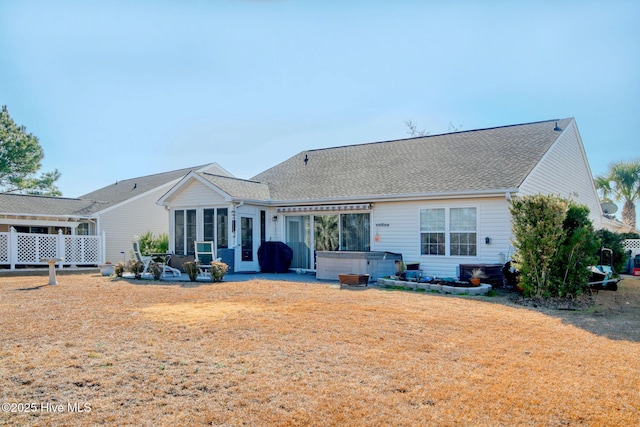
[[448, 231]]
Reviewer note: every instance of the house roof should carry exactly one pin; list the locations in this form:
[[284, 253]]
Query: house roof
[[123, 190], [20, 204], [472, 161], [90, 203], [238, 188]]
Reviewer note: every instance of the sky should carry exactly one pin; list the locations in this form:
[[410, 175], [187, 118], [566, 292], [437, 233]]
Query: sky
[[118, 89]]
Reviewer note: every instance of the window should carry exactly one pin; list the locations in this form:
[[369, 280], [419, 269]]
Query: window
[[432, 232], [222, 226], [459, 231], [355, 232], [345, 232], [463, 231], [185, 231], [82, 229]]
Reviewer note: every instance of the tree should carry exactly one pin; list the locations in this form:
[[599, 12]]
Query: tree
[[537, 228], [20, 157], [622, 182], [326, 232], [413, 129], [555, 243]]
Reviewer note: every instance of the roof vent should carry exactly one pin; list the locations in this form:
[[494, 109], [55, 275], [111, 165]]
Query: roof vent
[[306, 159], [557, 129]]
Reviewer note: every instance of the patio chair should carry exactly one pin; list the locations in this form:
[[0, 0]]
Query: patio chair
[[164, 264], [145, 260], [204, 255]]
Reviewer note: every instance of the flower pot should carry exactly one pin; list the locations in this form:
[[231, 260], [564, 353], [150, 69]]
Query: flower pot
[[107, 269], [475, 281]]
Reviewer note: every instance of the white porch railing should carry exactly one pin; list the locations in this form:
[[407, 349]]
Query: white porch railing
[[29, 248]]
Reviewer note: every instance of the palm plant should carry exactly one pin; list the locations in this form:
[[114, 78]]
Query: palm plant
[[326, 232], [622, 182]]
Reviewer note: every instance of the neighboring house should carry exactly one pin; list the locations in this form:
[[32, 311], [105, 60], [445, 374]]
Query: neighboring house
[[439, 200], [117, 212]]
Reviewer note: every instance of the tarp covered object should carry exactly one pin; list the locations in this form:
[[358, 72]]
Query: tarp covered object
[[274, 257]]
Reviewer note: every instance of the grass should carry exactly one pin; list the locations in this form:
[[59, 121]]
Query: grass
[[286, 354]]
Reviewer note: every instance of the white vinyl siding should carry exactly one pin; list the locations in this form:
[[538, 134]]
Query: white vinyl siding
[[564, 171], [197, 194], [123, 223], [397, 226]]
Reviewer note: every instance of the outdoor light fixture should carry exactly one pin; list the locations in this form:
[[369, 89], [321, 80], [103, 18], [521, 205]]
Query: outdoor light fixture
[[275, 217], [487, 240]]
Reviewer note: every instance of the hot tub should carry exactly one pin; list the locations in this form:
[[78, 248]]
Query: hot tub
[[376, 264]]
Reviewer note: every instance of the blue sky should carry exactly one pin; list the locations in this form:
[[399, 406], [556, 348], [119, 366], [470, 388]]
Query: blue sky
[[119, 89]]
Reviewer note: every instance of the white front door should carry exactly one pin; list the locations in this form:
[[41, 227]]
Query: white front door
[[247, 250]]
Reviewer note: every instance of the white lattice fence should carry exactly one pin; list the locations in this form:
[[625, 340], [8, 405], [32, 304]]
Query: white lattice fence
[[33, 247], [29, 249], [4, 248], [82, 249], [632, 245]]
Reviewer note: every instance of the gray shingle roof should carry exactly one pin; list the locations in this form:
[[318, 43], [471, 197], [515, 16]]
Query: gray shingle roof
[[47, 206], [122, 190], [238, 188], [470, 161]]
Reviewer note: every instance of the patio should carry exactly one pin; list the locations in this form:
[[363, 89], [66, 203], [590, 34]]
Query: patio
[[243, 277]]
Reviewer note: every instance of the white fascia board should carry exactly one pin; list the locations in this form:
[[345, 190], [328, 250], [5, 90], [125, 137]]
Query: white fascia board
[[40, 222], [131, 199], [164, 200]]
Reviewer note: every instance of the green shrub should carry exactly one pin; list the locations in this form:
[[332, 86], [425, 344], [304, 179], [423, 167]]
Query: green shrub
[[150, 243], [615, 242], [537, 228], [555, 243], [576, 253], [218, 271]]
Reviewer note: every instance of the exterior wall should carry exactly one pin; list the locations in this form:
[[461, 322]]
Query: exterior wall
[[196, 195], [402, 234], [565, 171], [129, 219]]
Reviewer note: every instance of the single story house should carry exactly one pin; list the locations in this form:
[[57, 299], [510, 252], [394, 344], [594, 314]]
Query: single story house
[[440, 200], [91, 229]]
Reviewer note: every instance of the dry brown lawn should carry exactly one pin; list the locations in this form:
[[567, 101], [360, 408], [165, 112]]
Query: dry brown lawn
[[267, 353]]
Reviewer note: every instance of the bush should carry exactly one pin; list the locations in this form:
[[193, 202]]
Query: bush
[[615, 242], [555, 243], [135, 267], [156, 270], [119, 269], [537, 228], [576, 253], [150, 243], [191, 268], [218, 270]]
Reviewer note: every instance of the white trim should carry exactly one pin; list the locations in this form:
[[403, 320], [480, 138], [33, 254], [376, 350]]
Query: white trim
[[500, 192], [177, 187], [37, 222], [325, 208]]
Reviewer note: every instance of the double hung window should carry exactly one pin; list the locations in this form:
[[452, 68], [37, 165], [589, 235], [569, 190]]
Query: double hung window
[[448, 231]]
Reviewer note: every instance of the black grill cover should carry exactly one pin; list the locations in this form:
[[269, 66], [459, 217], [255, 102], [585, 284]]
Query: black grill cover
[[274, 257]]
